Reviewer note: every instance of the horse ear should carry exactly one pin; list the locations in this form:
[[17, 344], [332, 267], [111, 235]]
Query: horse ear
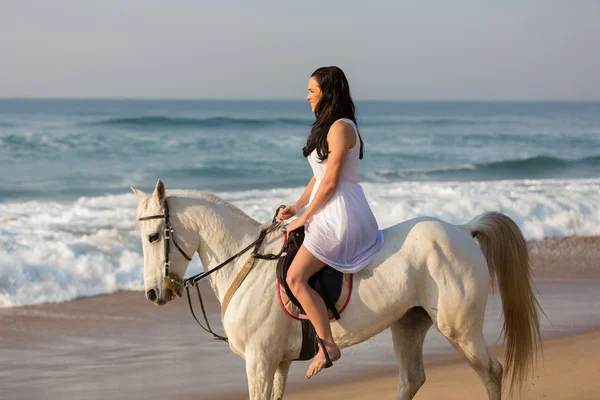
[[159, 192], [139, 194]]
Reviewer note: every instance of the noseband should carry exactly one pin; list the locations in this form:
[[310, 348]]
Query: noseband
[[176, 284]]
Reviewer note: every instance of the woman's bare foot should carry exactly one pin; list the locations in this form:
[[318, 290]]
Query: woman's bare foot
[[320, 361]]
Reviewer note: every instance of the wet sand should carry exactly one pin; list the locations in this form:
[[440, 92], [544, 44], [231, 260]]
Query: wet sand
[[121, 346]]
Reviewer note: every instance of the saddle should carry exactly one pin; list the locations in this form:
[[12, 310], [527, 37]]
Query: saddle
[[328, 282], [333, 286]]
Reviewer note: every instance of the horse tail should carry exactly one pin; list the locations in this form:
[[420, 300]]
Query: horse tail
[[505, 251]]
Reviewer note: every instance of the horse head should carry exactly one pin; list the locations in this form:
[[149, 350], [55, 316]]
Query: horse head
[[167, 244]]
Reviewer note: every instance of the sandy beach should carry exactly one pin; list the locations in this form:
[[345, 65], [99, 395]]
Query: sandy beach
[[120, 346], [568, 371]]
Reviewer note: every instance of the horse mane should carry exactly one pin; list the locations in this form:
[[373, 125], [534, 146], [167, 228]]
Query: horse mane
[[210, 198], [197, 194]]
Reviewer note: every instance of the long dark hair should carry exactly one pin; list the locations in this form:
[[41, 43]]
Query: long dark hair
[[335, 103]]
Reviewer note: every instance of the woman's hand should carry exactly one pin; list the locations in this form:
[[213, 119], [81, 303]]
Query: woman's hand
[[295, 224], [286, 213]]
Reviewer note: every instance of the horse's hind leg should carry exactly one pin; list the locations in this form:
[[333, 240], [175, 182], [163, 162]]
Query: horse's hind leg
[[473, 347], [462, 325], [280, 380], [408, 335]]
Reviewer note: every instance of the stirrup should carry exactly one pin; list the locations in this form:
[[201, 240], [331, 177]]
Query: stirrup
[[328, 362]]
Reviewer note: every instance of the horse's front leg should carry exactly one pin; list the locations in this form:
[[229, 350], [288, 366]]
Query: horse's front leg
[[280, 380], [260, 369]]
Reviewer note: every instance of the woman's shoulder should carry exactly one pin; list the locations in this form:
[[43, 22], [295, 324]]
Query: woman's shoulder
[[344, 122], [343, 127]]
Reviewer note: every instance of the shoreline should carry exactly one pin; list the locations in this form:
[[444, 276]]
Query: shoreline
[[581, 253]]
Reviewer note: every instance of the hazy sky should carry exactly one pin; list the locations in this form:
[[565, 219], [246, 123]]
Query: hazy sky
[[461, 49]]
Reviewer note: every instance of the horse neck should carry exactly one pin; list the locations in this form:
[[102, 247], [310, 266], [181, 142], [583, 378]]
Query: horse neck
[[223, 232]]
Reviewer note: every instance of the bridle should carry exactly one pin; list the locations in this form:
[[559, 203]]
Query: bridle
[[172, 282], [176, 284]]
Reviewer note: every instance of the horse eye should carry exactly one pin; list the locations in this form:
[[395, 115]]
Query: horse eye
[[153, 237]]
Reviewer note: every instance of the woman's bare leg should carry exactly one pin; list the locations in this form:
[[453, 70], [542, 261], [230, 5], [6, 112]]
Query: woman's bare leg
[[303, 267]]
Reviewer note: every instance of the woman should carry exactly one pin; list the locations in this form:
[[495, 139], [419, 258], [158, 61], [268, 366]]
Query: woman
[[340, 229]]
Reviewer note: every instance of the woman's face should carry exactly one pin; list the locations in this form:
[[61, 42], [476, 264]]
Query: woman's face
[[314, 93]]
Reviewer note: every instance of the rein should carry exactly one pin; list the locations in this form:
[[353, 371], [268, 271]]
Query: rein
[[174, 283], [193, 281]]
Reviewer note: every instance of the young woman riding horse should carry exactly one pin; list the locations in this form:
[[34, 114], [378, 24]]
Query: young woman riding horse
[[428, 272]]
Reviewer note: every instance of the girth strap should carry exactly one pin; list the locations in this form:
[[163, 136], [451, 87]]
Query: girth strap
[[237, 282]]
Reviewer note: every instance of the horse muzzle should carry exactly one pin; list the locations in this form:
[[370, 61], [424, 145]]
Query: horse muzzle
[[173, 287]]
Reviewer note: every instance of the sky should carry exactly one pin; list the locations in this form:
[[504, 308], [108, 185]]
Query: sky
[[259, 49]]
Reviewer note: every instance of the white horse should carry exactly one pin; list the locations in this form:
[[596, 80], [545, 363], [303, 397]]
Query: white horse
[[428, 272]]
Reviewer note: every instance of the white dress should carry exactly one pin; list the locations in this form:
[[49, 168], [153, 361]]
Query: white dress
[[343, 233]]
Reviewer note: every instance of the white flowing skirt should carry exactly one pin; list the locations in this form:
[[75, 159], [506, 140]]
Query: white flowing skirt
[[344, 233]]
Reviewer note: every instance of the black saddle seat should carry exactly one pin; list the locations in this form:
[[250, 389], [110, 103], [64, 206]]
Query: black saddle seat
[[327, 282]]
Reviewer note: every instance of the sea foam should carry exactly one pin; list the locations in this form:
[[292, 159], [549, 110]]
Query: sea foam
[[56, 251]]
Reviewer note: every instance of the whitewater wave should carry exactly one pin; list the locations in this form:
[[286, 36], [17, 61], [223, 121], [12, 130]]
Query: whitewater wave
[[58, 251]]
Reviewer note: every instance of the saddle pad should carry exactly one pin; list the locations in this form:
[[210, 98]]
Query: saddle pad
[[294, 312]]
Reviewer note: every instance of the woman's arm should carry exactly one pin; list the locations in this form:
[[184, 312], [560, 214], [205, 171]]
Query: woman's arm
[[288, 212], [339, 140], [303, 200]]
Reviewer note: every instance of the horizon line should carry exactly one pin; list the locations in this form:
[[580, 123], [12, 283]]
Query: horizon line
[[473, 100]]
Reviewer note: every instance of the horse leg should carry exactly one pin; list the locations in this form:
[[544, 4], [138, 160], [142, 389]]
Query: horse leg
[[280, 380], [408, 335], [463, 327], [473, 347], [260, 370]]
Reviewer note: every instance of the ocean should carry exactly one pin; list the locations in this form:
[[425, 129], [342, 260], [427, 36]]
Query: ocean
[[66, 208]]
